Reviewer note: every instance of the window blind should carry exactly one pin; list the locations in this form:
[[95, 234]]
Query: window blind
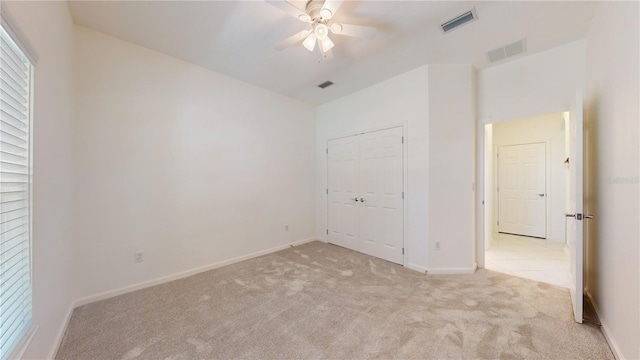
[[15, 195]]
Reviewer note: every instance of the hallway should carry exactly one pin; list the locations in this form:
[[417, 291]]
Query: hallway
[[531, 258]]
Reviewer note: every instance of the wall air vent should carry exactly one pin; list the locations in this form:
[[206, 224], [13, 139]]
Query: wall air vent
[[325, 84], [504, 52], [459, 20]]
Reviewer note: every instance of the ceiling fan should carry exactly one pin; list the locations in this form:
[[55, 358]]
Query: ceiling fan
[[319, 14]]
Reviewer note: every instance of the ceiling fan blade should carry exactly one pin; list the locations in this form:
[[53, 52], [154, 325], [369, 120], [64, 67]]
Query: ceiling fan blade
[[292, 40], [358, 31], [290, 9], [332, 6]]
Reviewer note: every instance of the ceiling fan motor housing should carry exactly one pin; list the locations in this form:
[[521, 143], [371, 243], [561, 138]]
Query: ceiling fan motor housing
[[315, 11]]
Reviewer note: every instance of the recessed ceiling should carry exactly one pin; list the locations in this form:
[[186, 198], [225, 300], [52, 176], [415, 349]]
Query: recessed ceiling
[[237, 38]]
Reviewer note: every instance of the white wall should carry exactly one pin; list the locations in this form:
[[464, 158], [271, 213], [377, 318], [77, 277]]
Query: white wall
[[186, 165], [451, 169], [48, 28], [548, 129], [436, 103], [401, 99], [612, 113], [542, 83]]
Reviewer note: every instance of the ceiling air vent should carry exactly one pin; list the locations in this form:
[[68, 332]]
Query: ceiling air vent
[[504, 52], [459, 20], [325, 84]]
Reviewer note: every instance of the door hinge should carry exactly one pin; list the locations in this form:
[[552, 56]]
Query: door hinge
[[403, 194], [402, 251], [327, 231], [326, 151], [403, 139], [498, 222], [327, 191]]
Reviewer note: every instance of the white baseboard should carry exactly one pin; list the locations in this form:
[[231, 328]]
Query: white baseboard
[[452, 271], [418, 268], [61, 332], [613, 345], [161, 280]]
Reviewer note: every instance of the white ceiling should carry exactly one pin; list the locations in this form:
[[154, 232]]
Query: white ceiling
[[237, 38]]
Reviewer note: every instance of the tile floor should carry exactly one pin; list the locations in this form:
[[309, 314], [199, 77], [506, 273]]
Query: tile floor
[[531, 258]]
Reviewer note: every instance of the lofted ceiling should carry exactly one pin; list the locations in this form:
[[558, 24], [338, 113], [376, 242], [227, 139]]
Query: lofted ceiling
[[237, 38]]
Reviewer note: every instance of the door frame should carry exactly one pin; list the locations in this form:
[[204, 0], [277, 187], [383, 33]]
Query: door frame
[[547, 183], [486, 217], [405, 208]]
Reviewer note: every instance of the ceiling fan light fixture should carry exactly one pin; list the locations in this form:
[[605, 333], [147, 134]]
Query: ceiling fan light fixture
[[304, 18], [321, 31], [336, 28], [310, 42], [325, 44], [326, 14]]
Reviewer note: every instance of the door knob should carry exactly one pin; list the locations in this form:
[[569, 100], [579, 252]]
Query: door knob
[[588, 216], [541, 195], [355, 199], [362, 200]]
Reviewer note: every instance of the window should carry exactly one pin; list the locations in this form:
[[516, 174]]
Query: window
[[15, 194]]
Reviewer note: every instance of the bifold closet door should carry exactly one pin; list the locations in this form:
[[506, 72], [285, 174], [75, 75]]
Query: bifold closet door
[[366, 210]]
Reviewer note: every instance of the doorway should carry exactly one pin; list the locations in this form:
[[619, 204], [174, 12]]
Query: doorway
[[526, 193]]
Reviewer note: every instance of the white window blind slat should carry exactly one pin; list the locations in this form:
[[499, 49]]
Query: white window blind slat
[[11, 86], [15, 278], [13, 319], [13, 205], [13, 215], [16, 65], [15, 93], [19, 79], [14, 72], [13, 107], [22, 63], [15, 195], [12, 157], [8, 99], [12, 113], [17, 132], [13, 222], [11, 92], [16, 150], [15, 266], [14, 82], [11, 166], [7, 138]]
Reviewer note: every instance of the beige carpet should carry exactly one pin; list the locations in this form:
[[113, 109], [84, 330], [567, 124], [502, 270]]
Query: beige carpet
[[323, 301]]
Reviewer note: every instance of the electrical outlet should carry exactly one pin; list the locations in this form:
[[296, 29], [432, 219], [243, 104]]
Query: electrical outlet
[[438, 245], [138, 257]]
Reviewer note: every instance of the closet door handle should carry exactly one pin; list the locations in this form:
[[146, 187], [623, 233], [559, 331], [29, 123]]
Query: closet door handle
[[355, 199], [362, 200]]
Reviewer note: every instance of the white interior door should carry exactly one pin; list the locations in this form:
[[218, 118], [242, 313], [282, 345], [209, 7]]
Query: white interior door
[[575, 214], [522, 196], [365, 193], [343, 175], [381, 210]]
